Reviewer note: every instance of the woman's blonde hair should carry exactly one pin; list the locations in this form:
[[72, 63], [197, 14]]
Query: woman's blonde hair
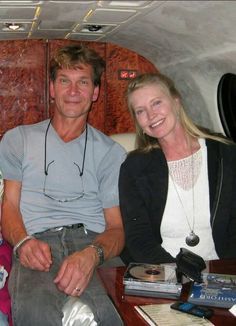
[[146, 143]]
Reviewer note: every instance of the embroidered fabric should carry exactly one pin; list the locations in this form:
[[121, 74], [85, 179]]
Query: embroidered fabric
[[183, 173]]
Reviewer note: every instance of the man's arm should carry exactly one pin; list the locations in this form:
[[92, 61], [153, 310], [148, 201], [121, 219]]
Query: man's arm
[[13, 228], [112, 240], [33, 253]]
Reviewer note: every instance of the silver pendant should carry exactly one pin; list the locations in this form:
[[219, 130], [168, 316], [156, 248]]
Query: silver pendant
[[192, 239]]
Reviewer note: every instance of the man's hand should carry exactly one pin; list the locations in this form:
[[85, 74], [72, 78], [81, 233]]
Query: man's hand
[[76, 271], [35, 254]]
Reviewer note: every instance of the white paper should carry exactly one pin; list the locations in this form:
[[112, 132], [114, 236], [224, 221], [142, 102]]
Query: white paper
[[163, 315], [233, 310]]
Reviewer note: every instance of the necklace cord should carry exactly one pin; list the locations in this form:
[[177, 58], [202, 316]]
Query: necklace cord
[[192, 239], [45, 150], [192, 185], [85, 146], [192, 163]]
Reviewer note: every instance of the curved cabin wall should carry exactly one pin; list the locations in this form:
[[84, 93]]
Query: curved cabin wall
[[24, 81]]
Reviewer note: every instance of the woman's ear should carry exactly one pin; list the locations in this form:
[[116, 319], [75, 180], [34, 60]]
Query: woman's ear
[[177, 105], [177, 101]]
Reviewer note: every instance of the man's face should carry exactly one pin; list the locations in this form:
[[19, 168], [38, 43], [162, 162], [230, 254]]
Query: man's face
[[73, 91]]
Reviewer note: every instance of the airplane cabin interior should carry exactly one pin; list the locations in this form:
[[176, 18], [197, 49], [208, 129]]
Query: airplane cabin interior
[[192, 42]]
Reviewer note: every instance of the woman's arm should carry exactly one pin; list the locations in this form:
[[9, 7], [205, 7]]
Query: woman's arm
[[140, 241]]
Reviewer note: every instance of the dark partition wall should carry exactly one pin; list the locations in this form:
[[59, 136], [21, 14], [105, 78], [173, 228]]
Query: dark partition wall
[[24, 81]]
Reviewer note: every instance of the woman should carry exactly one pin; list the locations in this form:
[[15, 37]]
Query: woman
[[178, 188]]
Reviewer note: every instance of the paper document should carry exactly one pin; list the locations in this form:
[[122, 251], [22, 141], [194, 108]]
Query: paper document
[[163, 315]]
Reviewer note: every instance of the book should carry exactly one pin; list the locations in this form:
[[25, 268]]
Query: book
[[163, 315], [217, 290], [151, 280]]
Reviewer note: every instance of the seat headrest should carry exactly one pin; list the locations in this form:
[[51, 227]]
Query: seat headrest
[[127, 140]]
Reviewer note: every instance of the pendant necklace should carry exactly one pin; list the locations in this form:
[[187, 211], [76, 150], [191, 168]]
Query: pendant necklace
[[192, 239]]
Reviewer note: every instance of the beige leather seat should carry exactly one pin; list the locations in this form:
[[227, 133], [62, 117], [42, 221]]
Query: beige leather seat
[[127, 140]]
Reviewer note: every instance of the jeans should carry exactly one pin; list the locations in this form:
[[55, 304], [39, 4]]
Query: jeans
[[3, 319], [36, 301]]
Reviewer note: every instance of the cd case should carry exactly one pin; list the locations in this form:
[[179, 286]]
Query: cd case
[[152, 280]]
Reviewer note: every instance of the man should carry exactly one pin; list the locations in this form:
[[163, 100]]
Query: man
[[60, 208]]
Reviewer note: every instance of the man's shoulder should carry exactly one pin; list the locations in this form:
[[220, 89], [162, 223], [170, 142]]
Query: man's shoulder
[[38, 126], [104, 141], [99, 135], [26, 128]]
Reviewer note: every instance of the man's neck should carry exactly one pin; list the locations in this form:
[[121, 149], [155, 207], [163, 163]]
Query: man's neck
[[69, 129]]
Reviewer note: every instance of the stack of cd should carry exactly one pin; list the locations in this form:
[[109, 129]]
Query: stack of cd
[[152, 280]]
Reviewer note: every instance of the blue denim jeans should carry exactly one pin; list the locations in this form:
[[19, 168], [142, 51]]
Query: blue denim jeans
[[36, 301]]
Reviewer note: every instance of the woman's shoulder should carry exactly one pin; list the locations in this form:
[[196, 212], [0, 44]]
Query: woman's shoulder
[[228, 146], [138, 155], [138, 160], [220, 150]]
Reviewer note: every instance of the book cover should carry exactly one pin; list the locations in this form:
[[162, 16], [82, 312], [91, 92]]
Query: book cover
[[152, 280], [163, 315], [217, 290]]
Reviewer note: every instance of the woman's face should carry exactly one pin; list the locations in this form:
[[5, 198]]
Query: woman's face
[[155, 110]]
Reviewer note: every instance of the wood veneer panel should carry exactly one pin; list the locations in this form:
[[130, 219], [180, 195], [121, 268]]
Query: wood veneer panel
[[117, 117], [22, 83]]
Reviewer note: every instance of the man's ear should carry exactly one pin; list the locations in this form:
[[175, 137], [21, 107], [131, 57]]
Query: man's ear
[[51, 89], [95, 93]]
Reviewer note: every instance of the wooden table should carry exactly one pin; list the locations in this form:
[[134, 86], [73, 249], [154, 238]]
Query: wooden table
[[112, 280]]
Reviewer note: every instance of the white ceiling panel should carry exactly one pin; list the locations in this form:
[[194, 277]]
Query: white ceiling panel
[[14, 36], [55, 25], [65, 11], [20, 3], [111, 16], [124, 3], [84, 36], [16, 14], [50, 34]]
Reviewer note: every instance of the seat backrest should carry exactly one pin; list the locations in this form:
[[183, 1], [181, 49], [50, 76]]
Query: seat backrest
[[127, 140]]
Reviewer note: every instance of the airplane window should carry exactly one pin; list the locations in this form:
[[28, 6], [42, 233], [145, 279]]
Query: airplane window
[[226, 97]]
